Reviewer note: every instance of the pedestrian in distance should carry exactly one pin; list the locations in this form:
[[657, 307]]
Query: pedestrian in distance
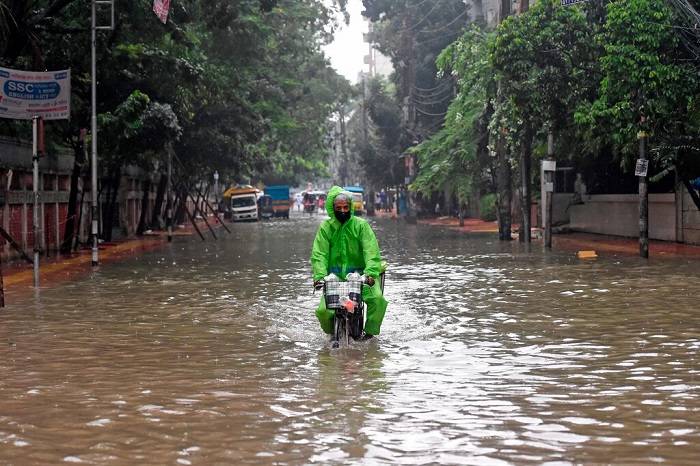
[[345, 243], [383, 198]]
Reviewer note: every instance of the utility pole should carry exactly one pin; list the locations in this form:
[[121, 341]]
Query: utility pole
[[641, 172], [36, 130], [93, 208], [365, 129], [343, 147], [169, 191], [526, 196], [549, 167], [216, 189], [409, 83]]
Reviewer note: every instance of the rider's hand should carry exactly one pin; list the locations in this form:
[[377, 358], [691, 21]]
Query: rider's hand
[[370, 281], [318, 284]]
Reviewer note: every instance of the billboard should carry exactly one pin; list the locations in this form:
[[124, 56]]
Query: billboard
[[26, 94]]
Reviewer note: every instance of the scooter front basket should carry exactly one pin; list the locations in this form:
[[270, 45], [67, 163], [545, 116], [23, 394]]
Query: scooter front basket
[[334, 291]]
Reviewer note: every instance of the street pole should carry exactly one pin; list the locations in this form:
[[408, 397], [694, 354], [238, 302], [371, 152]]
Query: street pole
[[93, 209], [643, 198], [548, 168], [216, 189], [35, 195], [169, 202]]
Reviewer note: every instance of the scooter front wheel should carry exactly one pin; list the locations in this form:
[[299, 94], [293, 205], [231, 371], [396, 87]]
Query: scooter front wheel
[[338, 331], [341, 331]]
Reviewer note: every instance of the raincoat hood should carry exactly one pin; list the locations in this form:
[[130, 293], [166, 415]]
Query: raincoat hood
[[332, 194]]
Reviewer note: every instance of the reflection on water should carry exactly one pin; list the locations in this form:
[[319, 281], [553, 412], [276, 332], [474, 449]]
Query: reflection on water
[[206, 353]]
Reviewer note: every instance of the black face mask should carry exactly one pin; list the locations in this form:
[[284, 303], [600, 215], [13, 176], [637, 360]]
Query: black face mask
[[342, 216]]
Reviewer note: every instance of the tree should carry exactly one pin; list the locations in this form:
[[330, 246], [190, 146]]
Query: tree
[[545, 59], [379, 155], [454, 156], [243, 83], [412, 34], [649, 85]]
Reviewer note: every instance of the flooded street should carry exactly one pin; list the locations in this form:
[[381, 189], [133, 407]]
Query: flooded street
[[210, 353]]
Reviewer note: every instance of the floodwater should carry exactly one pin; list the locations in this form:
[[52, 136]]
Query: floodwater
[[209, 353]]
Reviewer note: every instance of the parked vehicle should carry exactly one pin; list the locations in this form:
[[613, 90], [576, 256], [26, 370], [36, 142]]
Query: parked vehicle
[[244, 203], [358, 202], [280, 200], [265, 207]]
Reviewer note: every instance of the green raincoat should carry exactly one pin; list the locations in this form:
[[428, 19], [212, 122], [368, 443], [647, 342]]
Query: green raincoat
[[344, 248]]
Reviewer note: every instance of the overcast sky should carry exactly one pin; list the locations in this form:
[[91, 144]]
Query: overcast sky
[[347, 50]]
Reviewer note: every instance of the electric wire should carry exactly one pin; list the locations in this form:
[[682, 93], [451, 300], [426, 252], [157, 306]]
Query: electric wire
[[442, 28], [451, 35], [689, 34], [431, 102], [427, 15], [437, 90], [429, 113]]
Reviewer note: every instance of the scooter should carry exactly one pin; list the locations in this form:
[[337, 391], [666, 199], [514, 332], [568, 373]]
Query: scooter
[[345, 298]]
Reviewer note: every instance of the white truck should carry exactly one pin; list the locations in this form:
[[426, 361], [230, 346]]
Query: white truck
[[243, 203]]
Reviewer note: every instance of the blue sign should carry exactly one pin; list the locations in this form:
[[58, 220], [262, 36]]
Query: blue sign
[[31, 91], [571, 2], [28, 94]]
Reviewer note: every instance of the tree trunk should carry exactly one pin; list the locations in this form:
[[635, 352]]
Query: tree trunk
[[112, 196], [71, 224], [525, 188], [81, 208], [144, 207], [504, 192], [181, 207], [156, 217]]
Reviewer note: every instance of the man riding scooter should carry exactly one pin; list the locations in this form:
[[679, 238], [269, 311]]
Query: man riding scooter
[[345, 243]]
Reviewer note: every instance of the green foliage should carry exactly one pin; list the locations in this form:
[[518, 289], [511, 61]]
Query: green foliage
[[487, 208], [546, 63], [379, 155], [647, 82], [413, 33], [238, 86], [450, 157]]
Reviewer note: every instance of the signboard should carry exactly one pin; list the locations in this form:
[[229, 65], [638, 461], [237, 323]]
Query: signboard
[[160, 8], [549, 165], [26, 94], [571, 2], [641, 168]]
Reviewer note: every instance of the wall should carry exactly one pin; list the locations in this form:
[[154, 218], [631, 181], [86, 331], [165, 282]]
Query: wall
[[16, 200], [618, 214], [689, 218]]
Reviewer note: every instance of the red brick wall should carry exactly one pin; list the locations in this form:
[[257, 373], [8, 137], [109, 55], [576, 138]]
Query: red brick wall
[[16, 222], [62, 214], [49, 226], [30, 233]]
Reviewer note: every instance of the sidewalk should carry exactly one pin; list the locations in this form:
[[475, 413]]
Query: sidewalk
[[573, 242], [55, 269]]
